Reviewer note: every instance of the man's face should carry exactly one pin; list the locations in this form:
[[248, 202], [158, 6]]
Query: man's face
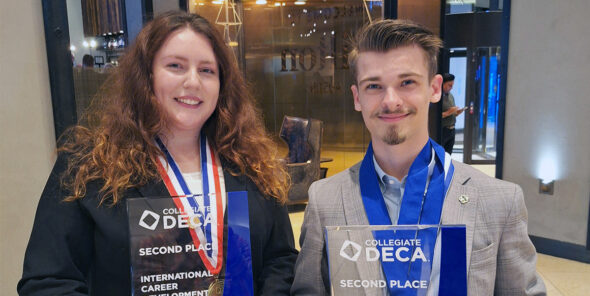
[[393, 94], [447, 86]]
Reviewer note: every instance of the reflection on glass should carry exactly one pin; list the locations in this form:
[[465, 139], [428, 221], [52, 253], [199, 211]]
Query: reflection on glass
[[473, 33], [93, 50], [487, 81], [295, 57]]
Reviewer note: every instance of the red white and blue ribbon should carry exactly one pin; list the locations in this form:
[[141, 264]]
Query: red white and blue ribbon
[[195, 206]]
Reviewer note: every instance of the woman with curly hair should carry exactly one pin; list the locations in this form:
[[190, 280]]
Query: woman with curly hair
[[176, 94]]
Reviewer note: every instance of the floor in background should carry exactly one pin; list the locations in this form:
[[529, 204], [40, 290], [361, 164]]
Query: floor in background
[[562, 277], [296, 221]]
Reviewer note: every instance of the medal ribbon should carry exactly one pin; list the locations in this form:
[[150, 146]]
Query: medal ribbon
[[421, 204], [195, 209]]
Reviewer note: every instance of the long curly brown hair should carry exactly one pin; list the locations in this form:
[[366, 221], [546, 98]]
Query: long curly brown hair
[[117, 147]]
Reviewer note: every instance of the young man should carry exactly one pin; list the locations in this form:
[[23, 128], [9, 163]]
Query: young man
[[449, 114], [394, 65]]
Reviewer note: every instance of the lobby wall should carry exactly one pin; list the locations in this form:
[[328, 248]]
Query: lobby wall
[[547, 109], [26, 129]]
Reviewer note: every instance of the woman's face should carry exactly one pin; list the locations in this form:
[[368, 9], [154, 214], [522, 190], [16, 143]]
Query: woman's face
[[186, 81]]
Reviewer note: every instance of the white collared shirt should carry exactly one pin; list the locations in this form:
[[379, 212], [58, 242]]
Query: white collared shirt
[[393, 189]]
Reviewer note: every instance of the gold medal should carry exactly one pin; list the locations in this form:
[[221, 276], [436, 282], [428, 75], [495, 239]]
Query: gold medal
[[215, 288]]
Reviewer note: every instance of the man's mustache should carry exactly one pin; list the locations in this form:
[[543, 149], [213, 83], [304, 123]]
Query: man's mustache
[[400, 111]]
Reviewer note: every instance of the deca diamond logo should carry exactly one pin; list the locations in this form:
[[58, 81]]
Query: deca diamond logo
[[146, 224], [350, 250]]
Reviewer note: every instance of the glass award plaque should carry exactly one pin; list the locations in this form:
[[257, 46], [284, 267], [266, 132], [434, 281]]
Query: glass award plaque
[[397, 260], [178, 247]]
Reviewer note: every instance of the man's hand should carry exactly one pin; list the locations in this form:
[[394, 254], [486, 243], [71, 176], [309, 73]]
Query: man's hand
[[459, 110], [451, 111]]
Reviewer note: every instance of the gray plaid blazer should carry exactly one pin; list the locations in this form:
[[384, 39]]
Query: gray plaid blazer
[[500, 256]]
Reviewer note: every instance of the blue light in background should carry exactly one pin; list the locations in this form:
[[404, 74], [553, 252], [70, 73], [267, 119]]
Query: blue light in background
[[481, 74], [493, 83]]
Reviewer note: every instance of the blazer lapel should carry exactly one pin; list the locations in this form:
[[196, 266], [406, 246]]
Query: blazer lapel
[[354, 214], [154, 189], [233, 183], [354, 210], [460, 206]]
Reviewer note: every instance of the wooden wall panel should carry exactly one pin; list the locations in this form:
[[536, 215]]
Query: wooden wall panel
[[425, 12]]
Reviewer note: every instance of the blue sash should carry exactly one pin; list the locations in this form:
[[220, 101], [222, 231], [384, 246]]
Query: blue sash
[[421, 204]]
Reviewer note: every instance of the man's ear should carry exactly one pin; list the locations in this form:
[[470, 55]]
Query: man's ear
[[355, 96], [436, 88]]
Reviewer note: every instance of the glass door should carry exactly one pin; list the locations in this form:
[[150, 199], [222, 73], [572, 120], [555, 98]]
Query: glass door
[[458, 67], [472, 38], [481, 124]]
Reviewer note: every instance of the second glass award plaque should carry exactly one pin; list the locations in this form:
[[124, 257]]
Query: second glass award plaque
[[397, 260]]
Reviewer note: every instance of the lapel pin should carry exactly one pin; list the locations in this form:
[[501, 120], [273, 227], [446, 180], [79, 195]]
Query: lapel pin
[[463, 199]]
